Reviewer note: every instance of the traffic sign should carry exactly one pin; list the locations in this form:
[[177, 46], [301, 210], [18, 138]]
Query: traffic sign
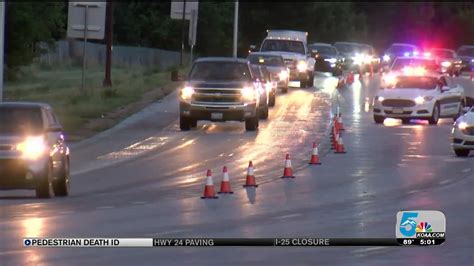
[[91, 14], [177, 9]]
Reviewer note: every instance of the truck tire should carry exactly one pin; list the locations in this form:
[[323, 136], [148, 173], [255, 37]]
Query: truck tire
[[378, 119], [461, 152], [310, 81], [251, 124], [271, 100], [61, 186], [184, 123], [264, 112], [193, 122], [284, 89], [44, 186]]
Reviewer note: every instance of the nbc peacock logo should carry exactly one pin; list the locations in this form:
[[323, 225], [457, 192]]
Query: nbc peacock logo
[[423, 227]]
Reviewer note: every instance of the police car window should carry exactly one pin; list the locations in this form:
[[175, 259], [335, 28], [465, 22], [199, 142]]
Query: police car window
[[443, 82]]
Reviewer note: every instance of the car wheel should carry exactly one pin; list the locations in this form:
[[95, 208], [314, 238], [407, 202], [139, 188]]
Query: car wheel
[[44, 187], [310, 81], [378, 119], [251, 124], [264, 112], [271, 100], [303, 84], [435, 116], [193, 122], [405, 121], [284, 89], [61, 186], [184, 123], [461, 152]]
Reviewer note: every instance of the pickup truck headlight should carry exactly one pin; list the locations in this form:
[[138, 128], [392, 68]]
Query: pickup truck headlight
[[248, 94], [32, 147], [302, 66], [419, 100], [331, 60], [446, 64], [386, 58], [186, 93], [283, 75]]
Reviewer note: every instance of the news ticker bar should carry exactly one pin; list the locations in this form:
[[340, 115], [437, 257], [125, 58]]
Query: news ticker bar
[[227, 242]]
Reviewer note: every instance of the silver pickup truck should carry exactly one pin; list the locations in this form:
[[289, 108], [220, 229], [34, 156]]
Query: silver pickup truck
[[219, 89]]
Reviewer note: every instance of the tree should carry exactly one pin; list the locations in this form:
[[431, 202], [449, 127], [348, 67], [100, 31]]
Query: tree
[[30, 30]]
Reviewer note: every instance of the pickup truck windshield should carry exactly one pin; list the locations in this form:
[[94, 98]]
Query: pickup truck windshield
[[220, 71], [283, 46], [266, 60], [18, 120], [323, 49]]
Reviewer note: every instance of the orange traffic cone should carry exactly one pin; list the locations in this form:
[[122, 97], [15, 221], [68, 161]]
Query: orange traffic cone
[[209, 192], [250, 181], [371, 70], [340, 146], [288, 171], [314, 155], [334, 134], [339, 122], [336, 123], [225, 184]]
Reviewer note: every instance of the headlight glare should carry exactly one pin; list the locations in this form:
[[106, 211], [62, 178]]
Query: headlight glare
[[248, 94], [446, 64], [32, 148], [187, 92], [386, 58], [419, 100], [462, 126], [302, 66], [283, 75]]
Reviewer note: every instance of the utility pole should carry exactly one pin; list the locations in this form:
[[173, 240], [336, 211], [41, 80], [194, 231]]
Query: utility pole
[[2, 46], [236, 27], [109, 34], [182, 34]]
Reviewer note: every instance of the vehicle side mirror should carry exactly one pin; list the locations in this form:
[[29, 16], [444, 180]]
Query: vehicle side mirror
[[252, 48], [466, 109], [54, 128]]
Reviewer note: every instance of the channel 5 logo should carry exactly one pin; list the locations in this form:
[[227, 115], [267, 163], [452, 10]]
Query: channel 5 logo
[[411, 222]]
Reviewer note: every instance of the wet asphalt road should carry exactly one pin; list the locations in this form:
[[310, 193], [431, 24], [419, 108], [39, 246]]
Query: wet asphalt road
[[144, 179]]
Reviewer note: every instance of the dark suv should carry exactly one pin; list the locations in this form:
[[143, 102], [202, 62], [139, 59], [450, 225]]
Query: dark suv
[[33, 154], [219, 89]]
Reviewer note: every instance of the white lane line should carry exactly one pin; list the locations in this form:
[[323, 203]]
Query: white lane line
[[364, 250], [11, 252], [66, 212], [105, 207], [168, 232], [139, 203], [467, 170], [444, 182], [288, 216]]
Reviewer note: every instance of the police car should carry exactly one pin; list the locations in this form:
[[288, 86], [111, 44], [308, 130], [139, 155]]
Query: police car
[[463, 133], [415, 93]]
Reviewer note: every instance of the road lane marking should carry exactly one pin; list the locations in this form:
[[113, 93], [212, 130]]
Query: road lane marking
[[105, 207], [168, 232], [11, 252], [467, 170], [288, 216], [139, 203], [444, 182]]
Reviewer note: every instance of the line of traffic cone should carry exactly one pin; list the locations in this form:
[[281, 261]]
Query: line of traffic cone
[[250, 180], [225, 184], [209, 192], [314, 155], [340, 146], [288, 170]]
